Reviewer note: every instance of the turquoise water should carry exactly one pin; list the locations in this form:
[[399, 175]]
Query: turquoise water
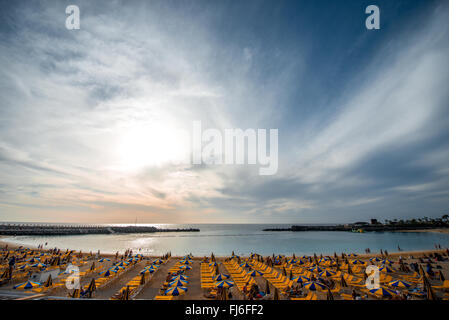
[[243, 239]]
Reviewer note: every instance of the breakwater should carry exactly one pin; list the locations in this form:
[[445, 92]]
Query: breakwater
[[60, 230], [311, 228]]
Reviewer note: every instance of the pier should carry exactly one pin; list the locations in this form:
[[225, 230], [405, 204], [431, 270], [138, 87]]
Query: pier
[[61, 230]]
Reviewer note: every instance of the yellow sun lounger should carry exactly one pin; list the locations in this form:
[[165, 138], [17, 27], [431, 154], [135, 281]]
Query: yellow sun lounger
[[163, 298]]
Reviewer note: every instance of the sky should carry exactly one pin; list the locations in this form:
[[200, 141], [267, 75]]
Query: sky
[[93, 121]]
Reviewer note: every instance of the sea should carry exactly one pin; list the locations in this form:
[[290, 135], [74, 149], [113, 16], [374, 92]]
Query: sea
[[242, 239]]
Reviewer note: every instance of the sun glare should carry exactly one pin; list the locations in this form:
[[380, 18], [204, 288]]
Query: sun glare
[[152, 145]]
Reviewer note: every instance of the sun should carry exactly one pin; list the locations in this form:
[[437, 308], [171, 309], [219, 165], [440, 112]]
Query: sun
[[149, 145]]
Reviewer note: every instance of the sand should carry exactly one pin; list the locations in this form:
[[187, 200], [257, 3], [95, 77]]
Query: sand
[[195, 292]]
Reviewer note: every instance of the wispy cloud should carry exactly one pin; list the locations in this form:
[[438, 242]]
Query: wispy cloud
[[91, 120]]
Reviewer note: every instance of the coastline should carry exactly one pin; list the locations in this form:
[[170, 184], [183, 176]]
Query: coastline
[[438, 230], [359, 254]]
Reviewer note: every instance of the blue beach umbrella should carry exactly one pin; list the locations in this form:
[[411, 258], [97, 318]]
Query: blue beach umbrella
[[185, 267], [386, 269], [221, 276], [255, 273], [104, 259], [382, 292], [327, 273], [25, 266], [400, 284], [213, 264], [158, 261], [145, 271], [314, 286], [300, 279], [176, 291], [27, 285], [224, 284], [152, 267], [316, 269], [245, 265], [181, 277], [38, 265], [106, 273], [115, 269], [178, 283]]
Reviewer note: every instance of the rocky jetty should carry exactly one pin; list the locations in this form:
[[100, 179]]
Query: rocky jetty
[[58, 230]]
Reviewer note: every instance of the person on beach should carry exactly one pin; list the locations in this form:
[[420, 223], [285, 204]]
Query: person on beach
[[245, 288], [12, 265], [429, 270]]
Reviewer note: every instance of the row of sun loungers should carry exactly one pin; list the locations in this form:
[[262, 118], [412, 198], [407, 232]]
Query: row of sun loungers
[[134, 286], [238, 274]]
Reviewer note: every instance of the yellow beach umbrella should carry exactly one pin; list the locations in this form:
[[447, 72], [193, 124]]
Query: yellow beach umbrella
[[383, 292], [314, 286], [224, 284], [27, 285], [176, 291]]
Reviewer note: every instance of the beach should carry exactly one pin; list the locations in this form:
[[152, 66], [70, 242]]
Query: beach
[[227, 248], [201, 272]]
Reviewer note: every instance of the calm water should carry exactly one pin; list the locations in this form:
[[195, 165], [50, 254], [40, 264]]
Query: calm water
[[222, 239]]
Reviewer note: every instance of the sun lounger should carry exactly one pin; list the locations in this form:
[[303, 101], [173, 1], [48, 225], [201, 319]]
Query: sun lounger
[[445, 285], [310, 296], [163, 298], [346, 296]]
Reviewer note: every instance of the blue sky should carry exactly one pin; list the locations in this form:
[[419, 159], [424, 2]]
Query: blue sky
[[91, 119]]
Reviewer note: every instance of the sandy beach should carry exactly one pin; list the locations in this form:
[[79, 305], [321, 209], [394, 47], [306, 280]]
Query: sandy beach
[[92, 269]]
